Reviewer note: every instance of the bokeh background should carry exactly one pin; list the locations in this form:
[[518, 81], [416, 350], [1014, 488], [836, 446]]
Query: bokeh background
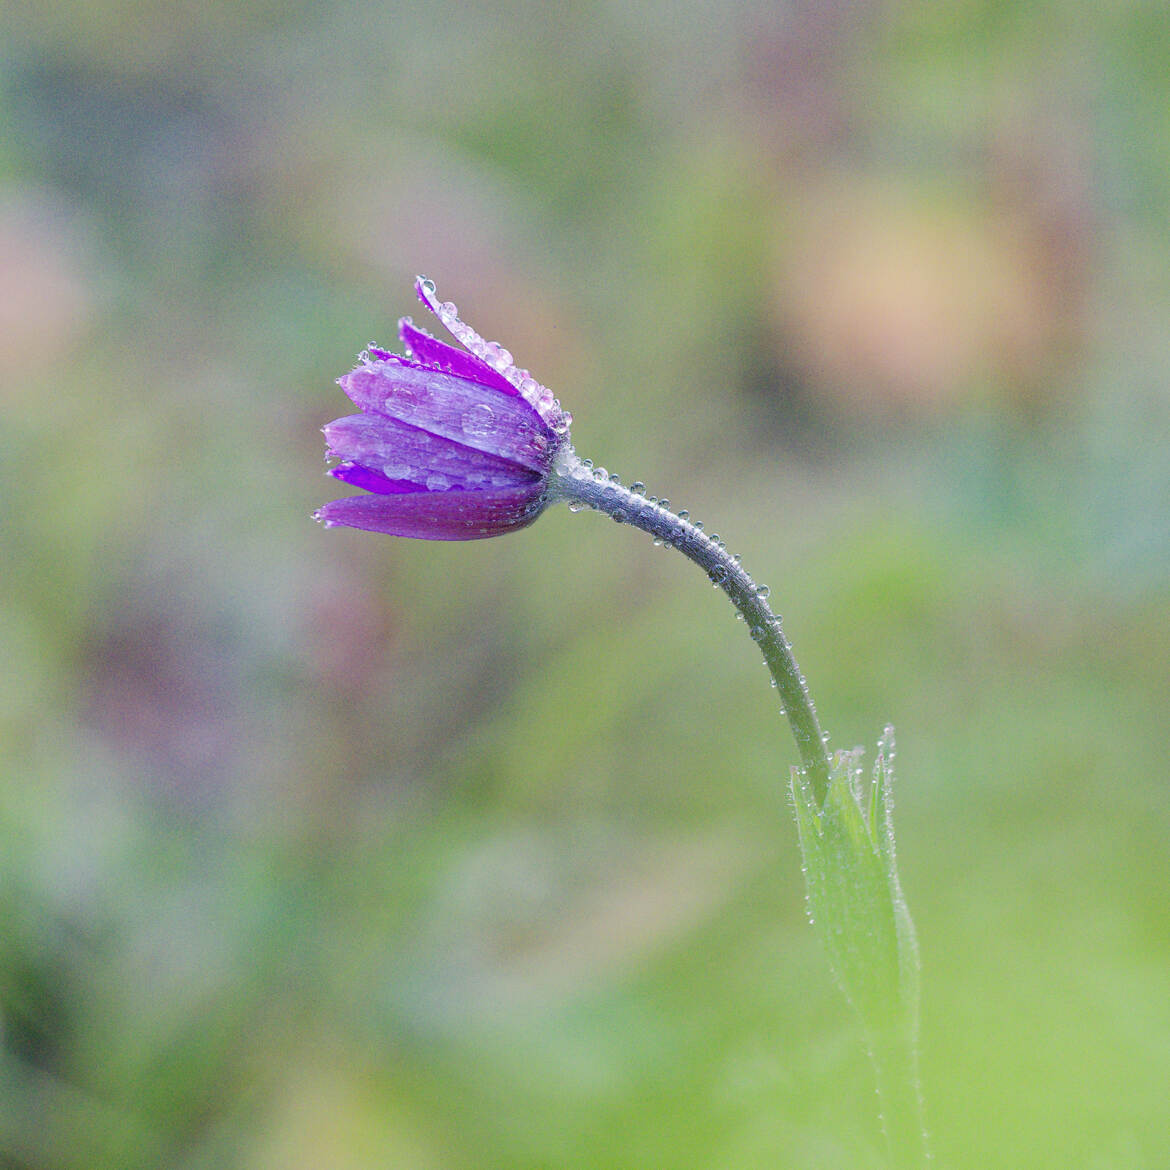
[[325, 850]]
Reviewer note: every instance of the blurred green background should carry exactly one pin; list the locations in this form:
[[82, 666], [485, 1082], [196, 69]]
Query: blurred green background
[[325, 850]]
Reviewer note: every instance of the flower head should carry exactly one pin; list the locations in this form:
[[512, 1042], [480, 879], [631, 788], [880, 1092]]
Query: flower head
[[450, 444]]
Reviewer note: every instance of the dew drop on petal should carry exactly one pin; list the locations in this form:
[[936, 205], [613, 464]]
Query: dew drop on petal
[[478, 420], [762, 592], [684, 514], [401, 400], [497, 356]]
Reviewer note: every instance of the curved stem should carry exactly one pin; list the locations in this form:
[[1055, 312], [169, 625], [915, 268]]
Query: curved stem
[[578, 483]]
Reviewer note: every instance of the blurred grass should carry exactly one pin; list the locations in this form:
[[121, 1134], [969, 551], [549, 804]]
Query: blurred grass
[[323, 850]]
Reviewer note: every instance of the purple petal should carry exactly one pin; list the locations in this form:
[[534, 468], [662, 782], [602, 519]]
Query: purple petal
[[451, 515], [556, 419], [399, 451], [433, 352], [370, 480], [471, 414]]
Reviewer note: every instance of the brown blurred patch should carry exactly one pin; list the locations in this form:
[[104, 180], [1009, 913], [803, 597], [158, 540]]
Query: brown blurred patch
[[894, 302], [163, 690], [46, 301]]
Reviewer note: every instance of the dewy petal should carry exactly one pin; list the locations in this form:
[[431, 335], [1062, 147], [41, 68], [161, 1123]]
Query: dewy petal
[[370, 480], [433, 352], [494, 355], [452, 515], [469, 413], [399, 451], [450, 445]]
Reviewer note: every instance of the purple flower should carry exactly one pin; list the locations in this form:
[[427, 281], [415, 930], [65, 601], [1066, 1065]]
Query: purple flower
[[450, 444]]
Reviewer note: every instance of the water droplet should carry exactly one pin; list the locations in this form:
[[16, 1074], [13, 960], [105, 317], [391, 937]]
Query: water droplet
[[428, 286], [576, 506], [497, 356], [684, 514], [586, 462], [437, 483], [715, 537], [757, 633], [600, 473], [401, 401], [638, 487], [618, 516], [479, 420], [560, 425], [697, 524], [664, 503], [762, 592]]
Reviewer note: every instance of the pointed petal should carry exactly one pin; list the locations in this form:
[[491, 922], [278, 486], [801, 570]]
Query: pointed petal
[[451, 515], [399, 451], [467, 413], [498, 358], [430, 351], [371, 480]]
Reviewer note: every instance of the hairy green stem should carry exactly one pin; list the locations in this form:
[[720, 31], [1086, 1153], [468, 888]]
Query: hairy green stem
[[583, 485], [891, 1037], [895, 1063]]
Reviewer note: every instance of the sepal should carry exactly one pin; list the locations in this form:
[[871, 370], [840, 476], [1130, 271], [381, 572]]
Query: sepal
[[855, 900]]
